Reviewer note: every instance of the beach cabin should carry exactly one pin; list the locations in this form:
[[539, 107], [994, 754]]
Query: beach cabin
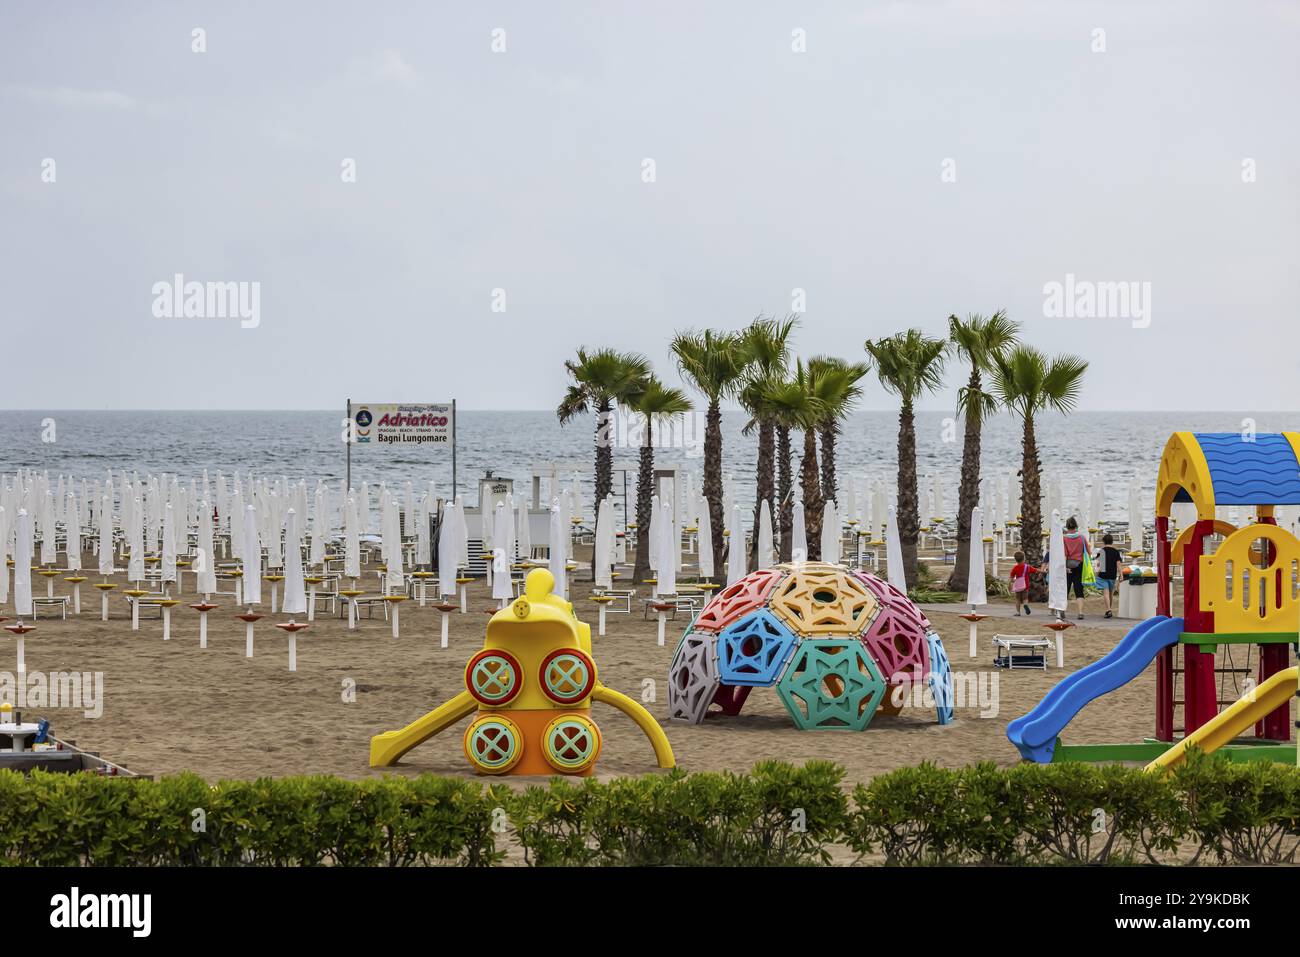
[[1239, 584]]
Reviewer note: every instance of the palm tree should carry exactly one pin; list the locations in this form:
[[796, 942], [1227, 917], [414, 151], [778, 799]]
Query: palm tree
[[600, 380], [713, 363], [790, 405], [766, 353], [978, 340], [908, 364], [1027, 382], [809, 418], [657, 404], [835, 385]]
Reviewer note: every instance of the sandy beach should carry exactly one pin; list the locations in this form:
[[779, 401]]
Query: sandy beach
[[171, 706]]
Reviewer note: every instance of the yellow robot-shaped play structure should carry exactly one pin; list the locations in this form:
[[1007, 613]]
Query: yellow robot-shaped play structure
[[532, 687]]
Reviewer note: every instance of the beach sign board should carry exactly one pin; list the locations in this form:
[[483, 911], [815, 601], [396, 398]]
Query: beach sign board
[[402, 424]]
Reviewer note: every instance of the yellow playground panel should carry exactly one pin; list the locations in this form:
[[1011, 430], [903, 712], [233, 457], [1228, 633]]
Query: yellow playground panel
[[532, 685], [1250, 588]]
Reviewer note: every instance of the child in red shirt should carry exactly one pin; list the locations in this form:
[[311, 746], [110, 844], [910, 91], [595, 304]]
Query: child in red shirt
[[1020, 573]]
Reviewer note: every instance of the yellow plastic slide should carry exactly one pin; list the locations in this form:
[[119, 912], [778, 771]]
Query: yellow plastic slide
[[1233, 721], [387, 748]]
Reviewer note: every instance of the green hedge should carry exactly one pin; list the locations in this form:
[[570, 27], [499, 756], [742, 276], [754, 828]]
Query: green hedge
[[1210, 811]]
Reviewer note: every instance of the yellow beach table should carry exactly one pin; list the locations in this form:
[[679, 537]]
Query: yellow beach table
[[601, 601], [49, 574], [312, 581], [167, 604], [395, 601], [275, 585], [351, 595], [134, 595], [104, 589], [75, 581]]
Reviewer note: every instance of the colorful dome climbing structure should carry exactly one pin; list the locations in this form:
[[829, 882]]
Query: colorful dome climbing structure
[[836, 644]]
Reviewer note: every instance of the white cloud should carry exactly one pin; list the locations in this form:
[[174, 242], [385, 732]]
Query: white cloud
[[76, 98]]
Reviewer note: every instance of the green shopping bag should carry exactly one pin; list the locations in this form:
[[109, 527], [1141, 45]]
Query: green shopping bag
[[1089, 576]]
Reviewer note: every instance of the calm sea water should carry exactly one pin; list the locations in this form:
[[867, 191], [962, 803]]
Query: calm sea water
[[308, 445]]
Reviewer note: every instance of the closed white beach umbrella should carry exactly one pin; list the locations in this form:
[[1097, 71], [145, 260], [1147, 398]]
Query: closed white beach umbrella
[[976, 591], [295, 589], [765, 550], [207, 578], [705, 540], [668, 549], [603, 553], [168, 566], [447, 550], [736, 559], [1136, 517], [462, 532], [236, 502], [525, 536], [656, 519], [830, 542], [49, 552], [135, 564], [106, 536], [23, 565], [559, 556], [1097, 508], [423, 539], [894, 553], [392, 548], [851, 501], [252, 558], [318, 532], [487, 520], [73, 525], [502, 589], [798, 534], [351, 540], [1057, 596], [4, 548]]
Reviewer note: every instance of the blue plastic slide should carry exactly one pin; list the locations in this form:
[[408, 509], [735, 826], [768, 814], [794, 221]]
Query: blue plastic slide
[[1035, 733]]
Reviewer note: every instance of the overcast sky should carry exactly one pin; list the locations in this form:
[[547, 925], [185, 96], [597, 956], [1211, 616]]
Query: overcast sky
[[915, 159]]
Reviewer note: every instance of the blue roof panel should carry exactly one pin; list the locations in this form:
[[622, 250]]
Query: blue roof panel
[[1262, 471]]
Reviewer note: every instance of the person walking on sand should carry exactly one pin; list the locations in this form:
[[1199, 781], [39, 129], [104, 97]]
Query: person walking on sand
[[1020, 573], [1076, 547], [1108, 572]]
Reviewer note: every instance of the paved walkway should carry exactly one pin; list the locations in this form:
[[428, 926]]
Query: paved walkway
[[1040, 614]]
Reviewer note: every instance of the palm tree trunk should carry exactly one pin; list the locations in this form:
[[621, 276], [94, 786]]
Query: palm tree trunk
[[764, 484], [713, 478], [909, 519], [1031, 508], [829, 492], [604, 476], [785, 517], [968, 493], [810, 483], [644, 493]]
